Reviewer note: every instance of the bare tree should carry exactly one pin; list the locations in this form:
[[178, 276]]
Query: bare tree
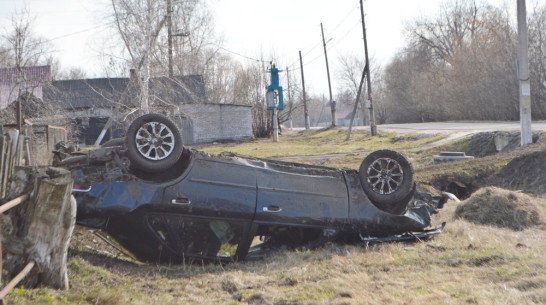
[[349, 73], [21, 47], [537, 50], [143, 27], [457, 66], [139, 23]]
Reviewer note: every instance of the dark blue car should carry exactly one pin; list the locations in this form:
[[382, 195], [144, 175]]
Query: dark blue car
[[164, 202]]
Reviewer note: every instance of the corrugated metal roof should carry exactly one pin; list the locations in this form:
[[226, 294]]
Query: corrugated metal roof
[[121, 92]]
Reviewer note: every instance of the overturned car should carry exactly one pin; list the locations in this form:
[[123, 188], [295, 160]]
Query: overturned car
[[165, 202]]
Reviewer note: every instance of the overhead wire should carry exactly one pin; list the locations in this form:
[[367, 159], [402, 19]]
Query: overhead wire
[[242, 55], [62, 36], [330, 33]]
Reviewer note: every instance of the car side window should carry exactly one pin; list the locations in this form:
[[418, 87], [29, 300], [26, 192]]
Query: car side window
[[210, 238]]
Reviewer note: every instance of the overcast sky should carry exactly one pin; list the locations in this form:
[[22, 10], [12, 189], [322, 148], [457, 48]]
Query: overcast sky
[[252, 29]]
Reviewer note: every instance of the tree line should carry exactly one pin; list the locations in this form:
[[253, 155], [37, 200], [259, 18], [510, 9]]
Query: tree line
[[461, 65]]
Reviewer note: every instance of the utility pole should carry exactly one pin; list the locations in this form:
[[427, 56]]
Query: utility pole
[[305, 110], [369, 103], [289, 97], [356, 102], [144, 102], [22, 83], [523, 76], [170, 37], [332, 102]]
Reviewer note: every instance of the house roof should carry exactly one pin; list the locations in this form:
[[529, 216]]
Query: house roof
[[123, 92]]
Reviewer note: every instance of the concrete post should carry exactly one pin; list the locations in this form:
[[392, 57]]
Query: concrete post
[[523, 76]]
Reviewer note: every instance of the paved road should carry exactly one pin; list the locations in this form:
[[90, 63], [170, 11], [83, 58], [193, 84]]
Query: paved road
[[461, 126], [454, 131]]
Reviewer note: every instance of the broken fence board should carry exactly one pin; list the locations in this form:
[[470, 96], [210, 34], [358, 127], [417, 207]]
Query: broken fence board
[[51, 225]]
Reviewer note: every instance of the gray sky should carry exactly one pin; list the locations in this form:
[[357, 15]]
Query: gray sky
[[251, 29]]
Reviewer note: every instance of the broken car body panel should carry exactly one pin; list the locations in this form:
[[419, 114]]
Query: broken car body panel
[[214, 207]]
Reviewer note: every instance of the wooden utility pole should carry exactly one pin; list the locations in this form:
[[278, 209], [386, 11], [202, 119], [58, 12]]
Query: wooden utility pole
[[19, 115], [144, 102], [170, 37], [369, 103], [305, 110], [289, 97], [356, 102], [523, 76], [332, 102]]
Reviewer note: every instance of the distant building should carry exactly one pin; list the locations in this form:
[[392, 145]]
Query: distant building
[[91, 102], [343, 118], [14, 82]]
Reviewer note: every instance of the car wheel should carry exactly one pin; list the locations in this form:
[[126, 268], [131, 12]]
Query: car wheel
[[387, 178], [154, 143]]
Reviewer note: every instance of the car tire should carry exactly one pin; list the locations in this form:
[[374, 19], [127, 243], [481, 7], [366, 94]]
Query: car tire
[[154, 143], [386, 177]]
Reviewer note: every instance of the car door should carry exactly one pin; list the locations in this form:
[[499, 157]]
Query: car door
[[300, 196], [212, 208]]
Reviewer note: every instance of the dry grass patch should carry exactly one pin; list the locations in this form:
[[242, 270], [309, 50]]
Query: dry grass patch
[[327, 141], [501, 208]]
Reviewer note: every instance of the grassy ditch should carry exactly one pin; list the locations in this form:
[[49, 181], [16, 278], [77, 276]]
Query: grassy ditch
[[468, 263]]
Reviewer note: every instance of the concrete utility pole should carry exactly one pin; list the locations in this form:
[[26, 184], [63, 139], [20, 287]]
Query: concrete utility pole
[[305, 110], [523, 76], [332, 102], [369, 103]]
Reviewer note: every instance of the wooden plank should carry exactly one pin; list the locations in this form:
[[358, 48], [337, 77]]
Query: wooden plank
[[2, 157], [16, 280], [6, 170], [12, 203]]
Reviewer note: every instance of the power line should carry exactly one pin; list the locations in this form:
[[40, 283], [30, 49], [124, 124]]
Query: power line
[[343, 19], [241, 55], [62, 36], [330, 34], [345, 35]]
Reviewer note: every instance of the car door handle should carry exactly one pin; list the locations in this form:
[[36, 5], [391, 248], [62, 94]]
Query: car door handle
[[272, 209], [181, 201]]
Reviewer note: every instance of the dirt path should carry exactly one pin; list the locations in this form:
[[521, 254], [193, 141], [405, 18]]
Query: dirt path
[[452, 136]]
